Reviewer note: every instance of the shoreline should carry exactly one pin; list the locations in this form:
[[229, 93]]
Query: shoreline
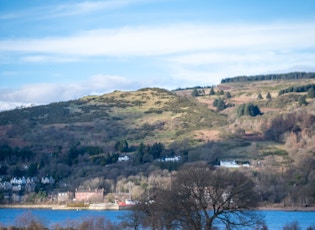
[[287, 209], [101, 206], [115, 207]]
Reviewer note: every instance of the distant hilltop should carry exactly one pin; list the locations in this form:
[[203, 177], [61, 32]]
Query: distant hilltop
[[268, 77]]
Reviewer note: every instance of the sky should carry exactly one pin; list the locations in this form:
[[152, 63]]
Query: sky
[[58, 50]]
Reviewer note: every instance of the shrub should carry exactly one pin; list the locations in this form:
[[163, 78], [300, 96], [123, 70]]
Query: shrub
[[248, 109]]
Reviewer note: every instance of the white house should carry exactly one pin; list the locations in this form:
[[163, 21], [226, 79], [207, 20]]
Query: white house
[[229, 164], [18, 181], [171, 159], [124, 158], [46, 180]]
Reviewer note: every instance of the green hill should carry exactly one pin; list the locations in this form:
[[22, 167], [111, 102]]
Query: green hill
[[76, 141]]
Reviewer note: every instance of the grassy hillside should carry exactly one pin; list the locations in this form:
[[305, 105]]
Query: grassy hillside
[[156, 115], [76, 141]]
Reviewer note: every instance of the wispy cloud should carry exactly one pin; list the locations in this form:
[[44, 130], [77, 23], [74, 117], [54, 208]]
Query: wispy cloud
[[43, 93], [196, 54], [47, 58], [87, 7], [67, 9], [172, 39]]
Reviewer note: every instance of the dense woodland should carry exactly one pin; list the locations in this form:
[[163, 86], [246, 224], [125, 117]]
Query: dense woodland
[[269, 125], [286, 76]]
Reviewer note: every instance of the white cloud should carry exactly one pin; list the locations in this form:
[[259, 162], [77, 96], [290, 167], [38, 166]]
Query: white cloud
[[85, 7], [196, 54], [44, 93], [66, 9], [172, 39], [47, 58]]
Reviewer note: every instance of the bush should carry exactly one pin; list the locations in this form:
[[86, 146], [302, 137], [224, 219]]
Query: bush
[[28, 221], [248, 109]]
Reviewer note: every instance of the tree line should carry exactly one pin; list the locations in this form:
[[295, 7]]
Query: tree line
[[286, 76], [310, 89]]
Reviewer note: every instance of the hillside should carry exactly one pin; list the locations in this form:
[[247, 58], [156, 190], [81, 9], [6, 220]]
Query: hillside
[[80, 140]]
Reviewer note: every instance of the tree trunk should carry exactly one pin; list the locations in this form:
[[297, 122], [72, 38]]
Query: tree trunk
[[208, 225]]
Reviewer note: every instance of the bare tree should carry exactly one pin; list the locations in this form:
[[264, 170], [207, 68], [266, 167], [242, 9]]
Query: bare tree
[[199, 196]]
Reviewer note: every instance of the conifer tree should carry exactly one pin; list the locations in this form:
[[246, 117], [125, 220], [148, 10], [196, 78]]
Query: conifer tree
[[302, 100], [211, 91], [311, 93], [195, 93]]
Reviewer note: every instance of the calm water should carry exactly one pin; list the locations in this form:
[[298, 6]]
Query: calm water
[[274, 219]]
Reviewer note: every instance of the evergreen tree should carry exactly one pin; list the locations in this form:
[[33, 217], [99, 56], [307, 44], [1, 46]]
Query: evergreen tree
[[241, 110], [228, 95], [311, 93], [121, 146], [259, 97], [302, 100], [248, 109], [138, 157], [221, 92], [195, 93], [211, 91], [220, 105], [268, 96]]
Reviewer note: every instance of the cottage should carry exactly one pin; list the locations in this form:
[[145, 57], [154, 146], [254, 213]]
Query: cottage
[[46, 180], [124, 158], [16, 188], [65, 196], [229, 164], [5, 186]]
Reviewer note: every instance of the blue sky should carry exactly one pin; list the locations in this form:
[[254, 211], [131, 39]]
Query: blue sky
[[61, 50]]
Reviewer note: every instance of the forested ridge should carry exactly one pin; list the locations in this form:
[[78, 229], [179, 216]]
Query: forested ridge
[[268, 77], [268, 126]]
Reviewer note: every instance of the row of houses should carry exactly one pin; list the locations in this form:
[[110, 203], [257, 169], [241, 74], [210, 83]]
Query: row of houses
[[28, 180], [29, 183]]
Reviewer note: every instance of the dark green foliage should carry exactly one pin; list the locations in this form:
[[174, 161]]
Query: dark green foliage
[[287, 76], [195, 93], [268, 96], [248, 109], [148, 153], [302, 100], [106, 159], [259, 97], [195, 87], [211, 91], [311, 92], [220, 93], [122, 146], [228, 95], [11, 155], [297, 89], [219, 103]]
